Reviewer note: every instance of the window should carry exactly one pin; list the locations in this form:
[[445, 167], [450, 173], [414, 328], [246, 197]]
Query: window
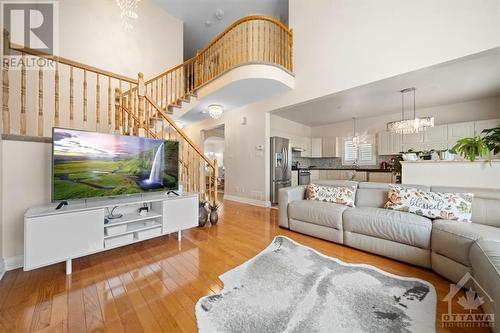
[[362, 153]]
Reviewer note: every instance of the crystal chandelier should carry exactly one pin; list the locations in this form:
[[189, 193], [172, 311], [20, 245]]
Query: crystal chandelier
[[355, 138], [129, 13], [215, 111], [409, 126]]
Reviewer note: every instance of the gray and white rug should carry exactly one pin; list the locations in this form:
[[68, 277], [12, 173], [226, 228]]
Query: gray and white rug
[[289, 287]]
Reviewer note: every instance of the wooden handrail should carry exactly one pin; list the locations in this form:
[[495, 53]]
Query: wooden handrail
[[69, 62], [179, 130], [243, 20]]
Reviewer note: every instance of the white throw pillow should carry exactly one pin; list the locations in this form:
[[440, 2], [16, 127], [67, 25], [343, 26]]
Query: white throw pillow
[[448, 206], [343, 195]]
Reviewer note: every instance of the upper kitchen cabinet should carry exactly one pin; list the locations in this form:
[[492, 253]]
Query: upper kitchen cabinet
[[388, 143], [414, 141], [436, 138], [481, 125], [458, 131], [330, 147], [317, 147], [303, 143]]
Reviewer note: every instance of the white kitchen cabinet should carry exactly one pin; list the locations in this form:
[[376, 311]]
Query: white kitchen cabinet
[[380, 177], [316, 147], [302, 142], [314, 175], [481, 125], [458, 131], [388, 143], [295, 178], [330, 147], [414, 138], [436, 134]]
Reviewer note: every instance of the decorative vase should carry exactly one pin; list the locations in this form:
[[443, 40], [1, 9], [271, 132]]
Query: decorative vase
[[214, 217], [202, 215]]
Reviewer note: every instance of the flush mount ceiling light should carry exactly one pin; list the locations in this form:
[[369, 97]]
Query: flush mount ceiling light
[[215, 111], [129, 13], [409, 126], [179, 124], [219, 14]]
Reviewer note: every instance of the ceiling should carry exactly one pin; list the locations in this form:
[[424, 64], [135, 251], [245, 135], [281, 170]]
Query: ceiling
[[201, 25], [472, 77]]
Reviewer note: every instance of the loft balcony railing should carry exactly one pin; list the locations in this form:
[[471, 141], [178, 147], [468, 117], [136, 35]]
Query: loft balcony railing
[[75, 95]]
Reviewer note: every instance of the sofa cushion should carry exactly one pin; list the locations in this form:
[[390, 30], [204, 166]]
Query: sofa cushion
[[446, 205], [317, 212], [485, 258], [392, 225], [453, 239]]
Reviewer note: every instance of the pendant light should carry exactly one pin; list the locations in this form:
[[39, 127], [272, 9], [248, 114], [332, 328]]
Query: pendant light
[[409, 126]]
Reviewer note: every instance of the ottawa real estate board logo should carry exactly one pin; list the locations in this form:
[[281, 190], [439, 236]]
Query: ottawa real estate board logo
[[464, 311], [32, 26]]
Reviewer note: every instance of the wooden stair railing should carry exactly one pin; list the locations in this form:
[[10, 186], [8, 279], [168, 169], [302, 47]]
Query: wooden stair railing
[[86, 93], [252, 39]]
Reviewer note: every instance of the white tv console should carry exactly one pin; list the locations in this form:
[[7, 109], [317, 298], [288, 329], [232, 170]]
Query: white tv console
[[78, 229]]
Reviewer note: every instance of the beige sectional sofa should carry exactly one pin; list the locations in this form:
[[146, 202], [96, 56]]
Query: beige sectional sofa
[[450, 248]]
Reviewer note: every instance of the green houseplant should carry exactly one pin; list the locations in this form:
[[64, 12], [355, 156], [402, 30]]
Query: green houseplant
[[471, 148], [492, 139]]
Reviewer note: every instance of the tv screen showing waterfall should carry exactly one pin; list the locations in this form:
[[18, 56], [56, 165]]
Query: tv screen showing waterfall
[[89, 164]]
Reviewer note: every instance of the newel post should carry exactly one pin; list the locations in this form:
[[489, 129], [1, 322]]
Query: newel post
[[5, 89]]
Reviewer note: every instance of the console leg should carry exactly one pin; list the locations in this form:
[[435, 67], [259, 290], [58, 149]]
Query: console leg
[[179, 235], [68, 267]]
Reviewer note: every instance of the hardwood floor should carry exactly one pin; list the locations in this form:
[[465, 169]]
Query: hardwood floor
[[153, 286]]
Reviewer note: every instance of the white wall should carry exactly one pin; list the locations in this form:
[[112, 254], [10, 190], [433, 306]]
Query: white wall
[[287, 129], [488, 108], [91, 32], [26, 172], [340, 44]]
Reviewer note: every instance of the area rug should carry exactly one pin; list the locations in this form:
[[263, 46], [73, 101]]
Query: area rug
[[289, 287]]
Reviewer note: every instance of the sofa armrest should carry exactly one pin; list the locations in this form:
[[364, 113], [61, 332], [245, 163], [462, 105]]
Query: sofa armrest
[[285, 196]]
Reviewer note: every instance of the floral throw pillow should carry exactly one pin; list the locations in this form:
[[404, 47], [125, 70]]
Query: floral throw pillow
[[449, 206], [343, 195]]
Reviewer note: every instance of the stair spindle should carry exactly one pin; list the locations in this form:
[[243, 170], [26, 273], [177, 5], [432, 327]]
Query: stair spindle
[[109, 105], [40, 103], [85, 102], [23, 120], [56, 96], [97, 102]]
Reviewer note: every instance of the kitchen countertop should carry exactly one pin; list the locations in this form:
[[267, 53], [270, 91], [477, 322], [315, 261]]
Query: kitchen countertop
[[357, 169]]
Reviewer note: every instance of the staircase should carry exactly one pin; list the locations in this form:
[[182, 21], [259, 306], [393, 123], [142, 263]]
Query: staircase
[[135, 106]]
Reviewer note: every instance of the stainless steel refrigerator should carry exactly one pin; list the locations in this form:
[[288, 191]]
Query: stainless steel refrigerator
[[281, 166]]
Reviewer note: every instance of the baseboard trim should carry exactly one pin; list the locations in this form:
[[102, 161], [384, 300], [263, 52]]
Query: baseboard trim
[[11, 263], [253, 202], [2, 269]]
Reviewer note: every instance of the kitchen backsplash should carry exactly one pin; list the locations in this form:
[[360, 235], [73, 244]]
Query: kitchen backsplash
[[334, 162]]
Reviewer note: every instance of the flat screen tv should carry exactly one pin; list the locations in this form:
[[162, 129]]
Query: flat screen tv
[[90, 164]]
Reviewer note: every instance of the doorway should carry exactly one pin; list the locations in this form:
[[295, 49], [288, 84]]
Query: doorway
[[213, 147]]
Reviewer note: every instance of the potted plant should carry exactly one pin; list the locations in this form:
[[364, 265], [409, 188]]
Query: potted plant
[[214, 216], [471, 148], [492, 139], [202, 213]]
